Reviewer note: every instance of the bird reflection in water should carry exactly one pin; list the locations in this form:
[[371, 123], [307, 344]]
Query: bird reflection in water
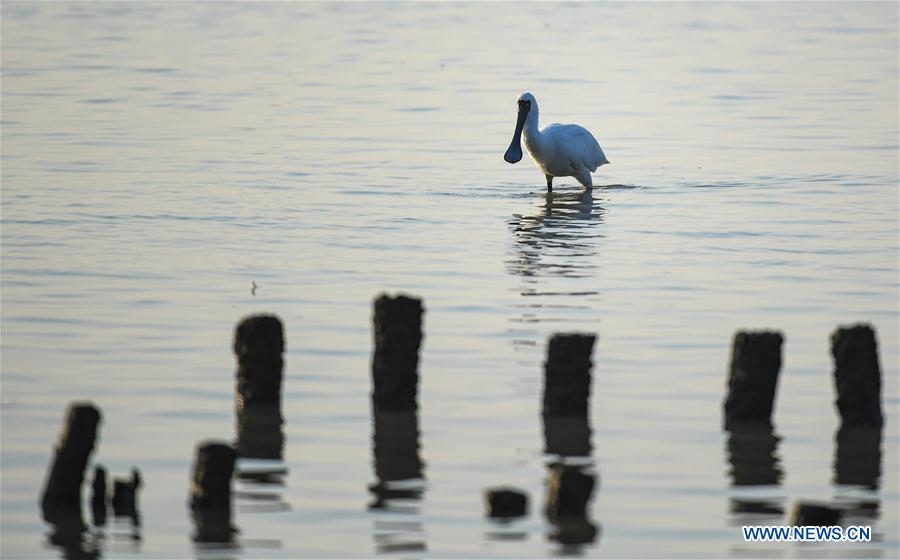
[[555, 254], [558, 239], [400, 482]]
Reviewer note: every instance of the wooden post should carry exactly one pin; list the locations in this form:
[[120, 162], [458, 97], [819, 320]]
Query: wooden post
[[124, 498], [506, 503], [857, 376], [395, 361], [62, 490], [259, 345], [98, 496], [567, 375], [755, 363], [213, 470]]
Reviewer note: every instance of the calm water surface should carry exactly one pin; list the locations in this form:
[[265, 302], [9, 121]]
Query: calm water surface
[[157, 159]]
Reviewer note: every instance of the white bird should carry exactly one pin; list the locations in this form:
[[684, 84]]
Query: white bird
[[559, 150]]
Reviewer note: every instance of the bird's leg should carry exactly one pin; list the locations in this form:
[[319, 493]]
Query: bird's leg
[[549, 182]]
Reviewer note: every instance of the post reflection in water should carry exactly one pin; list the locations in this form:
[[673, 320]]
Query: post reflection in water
[[71, 535], [857, 472], [857, 457], [570, 482], [399, 484], [754, 463], [260, 469]]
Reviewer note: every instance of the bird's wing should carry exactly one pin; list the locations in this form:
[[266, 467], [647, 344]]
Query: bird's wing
[[579, 145]]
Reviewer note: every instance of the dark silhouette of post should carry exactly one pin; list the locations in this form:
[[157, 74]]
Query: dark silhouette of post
[[567, 375], [567, 436], [857, 376], [98, 496], [62, 490], [505, 503], [753, 378], [397, 325], [124, 498], [213, 470], [210, 499], [259, 346], [857, 381]]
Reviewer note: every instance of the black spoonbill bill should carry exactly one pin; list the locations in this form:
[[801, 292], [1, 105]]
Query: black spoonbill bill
[[559, 150]]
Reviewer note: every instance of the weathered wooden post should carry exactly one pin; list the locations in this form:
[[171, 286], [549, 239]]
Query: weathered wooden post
[[857, 376], [213, 470], [62, 490], [755, 363], [567, 375], [857, 381], [395, 361], [258, 346], [98, 496], [124, 498], [210, 499]]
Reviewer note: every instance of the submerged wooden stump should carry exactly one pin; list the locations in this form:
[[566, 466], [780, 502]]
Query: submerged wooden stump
[[211, 480], [397, 325], [567, 375], [753, 378], [505, 503], [98, 496], [857, 376], [124, 498], [211, 493], [62, 490]]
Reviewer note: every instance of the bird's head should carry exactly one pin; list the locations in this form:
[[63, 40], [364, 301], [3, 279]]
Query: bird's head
[[527, 105]]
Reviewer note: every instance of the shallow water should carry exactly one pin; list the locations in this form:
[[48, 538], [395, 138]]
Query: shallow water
[[160, 159]]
